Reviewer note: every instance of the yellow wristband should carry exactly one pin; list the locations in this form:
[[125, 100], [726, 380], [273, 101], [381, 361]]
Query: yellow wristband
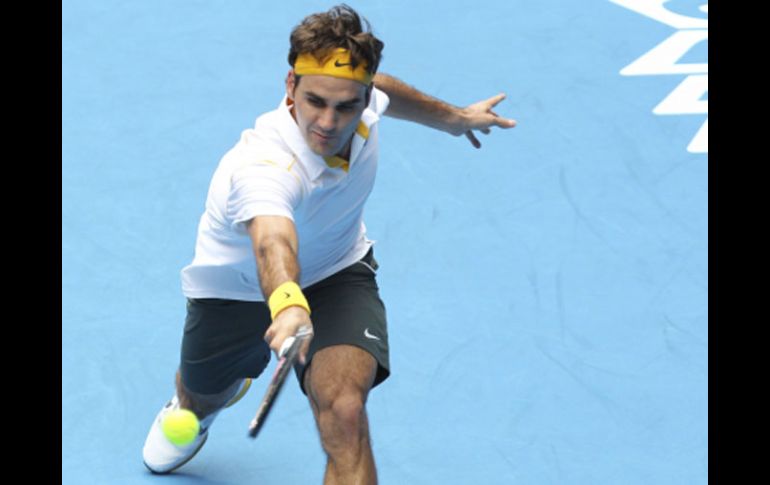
[[286, 295]]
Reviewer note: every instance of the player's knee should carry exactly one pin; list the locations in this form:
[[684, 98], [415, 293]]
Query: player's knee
[[343, 421]]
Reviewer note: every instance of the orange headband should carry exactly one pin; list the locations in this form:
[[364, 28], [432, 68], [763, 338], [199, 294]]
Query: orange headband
[[337, 64]]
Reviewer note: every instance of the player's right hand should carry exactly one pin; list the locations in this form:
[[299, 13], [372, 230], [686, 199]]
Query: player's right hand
[[286, 324]]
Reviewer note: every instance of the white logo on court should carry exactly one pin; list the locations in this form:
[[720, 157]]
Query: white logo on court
[[662, 60], [370, 336]]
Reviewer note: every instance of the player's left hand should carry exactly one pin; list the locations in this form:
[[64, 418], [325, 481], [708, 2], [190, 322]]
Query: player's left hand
[[479, 116]]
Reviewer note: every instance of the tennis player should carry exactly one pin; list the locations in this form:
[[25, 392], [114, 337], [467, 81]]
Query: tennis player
[[282, 245]]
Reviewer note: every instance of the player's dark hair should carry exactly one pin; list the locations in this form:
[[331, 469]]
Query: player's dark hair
[[341, 27]]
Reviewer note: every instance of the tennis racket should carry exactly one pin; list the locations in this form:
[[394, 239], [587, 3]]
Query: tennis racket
[[287, 357]]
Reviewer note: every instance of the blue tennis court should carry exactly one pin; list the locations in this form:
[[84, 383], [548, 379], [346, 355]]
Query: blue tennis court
[[546, 294]]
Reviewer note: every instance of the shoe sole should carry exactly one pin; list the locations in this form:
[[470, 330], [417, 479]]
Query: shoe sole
[[182, 463]]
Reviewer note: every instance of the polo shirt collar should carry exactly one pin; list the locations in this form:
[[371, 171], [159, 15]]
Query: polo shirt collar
[[315, 164]]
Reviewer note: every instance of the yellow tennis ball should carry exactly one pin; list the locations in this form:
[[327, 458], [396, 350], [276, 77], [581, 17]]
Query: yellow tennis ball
[[181, 426]]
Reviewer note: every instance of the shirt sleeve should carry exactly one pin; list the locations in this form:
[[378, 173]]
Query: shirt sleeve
[[262, 188], [379, 101]]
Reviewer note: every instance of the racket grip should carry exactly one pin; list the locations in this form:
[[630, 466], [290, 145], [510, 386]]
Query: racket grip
[[286, 346], [302, 333]]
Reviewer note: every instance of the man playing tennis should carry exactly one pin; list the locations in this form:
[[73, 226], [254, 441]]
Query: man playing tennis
[[282, 245]]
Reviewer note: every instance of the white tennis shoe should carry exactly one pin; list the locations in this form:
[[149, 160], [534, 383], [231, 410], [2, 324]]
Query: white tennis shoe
[[162, 456]]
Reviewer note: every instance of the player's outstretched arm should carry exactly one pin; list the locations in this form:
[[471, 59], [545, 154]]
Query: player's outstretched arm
[[407, 103], [274, 239]]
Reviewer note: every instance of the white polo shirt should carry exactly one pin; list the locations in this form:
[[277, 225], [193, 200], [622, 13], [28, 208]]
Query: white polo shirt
[[272, 171]]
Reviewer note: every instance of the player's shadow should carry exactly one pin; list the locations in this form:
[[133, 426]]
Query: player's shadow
[[182, 477], [206, 477]]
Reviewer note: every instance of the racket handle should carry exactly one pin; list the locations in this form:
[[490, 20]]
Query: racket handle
[[302, 333], [286, 346]]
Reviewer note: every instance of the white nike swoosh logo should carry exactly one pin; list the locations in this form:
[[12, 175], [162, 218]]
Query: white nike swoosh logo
[[370, 336]]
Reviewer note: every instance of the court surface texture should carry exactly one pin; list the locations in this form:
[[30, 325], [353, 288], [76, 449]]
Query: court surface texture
[[546, 294]]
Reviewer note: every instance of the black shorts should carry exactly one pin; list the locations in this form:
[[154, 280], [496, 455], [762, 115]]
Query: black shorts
[[224, 339]]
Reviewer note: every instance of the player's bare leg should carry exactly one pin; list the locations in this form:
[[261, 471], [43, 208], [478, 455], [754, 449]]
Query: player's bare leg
[[338, 382], [203, 404]]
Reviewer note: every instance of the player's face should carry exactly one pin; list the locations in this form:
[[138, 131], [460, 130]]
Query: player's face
[[327, 110]]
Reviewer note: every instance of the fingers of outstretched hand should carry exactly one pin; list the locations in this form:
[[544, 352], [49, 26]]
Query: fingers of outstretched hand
[[494, 100], [474, 141], [480, 120], [501, 122], [498, 120], [504, 123]]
